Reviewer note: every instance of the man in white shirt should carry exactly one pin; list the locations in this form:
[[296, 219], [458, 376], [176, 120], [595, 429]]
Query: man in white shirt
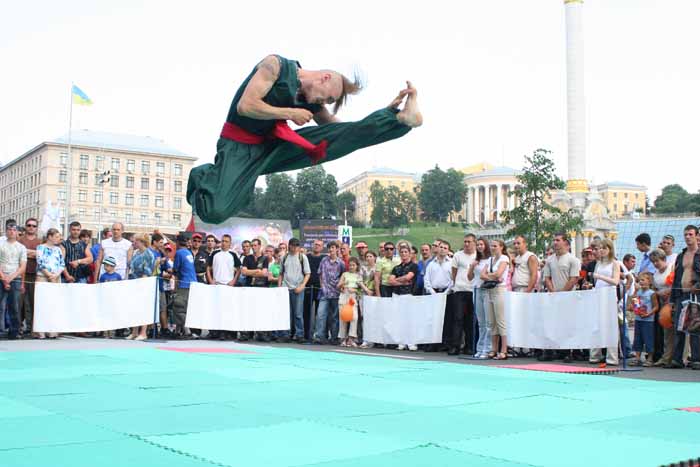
[[118, 248], [438, 279], [463, 301], [526, 266], [224, 266], [13, 261], [667, 244]]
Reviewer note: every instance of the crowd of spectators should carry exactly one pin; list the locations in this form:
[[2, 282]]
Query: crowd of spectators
[[327, 277]]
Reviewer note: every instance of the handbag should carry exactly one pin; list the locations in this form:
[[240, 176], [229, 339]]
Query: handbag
[[491, 283], [691, 320]]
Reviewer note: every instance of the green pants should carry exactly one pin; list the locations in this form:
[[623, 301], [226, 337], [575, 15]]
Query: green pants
[[218, 191]]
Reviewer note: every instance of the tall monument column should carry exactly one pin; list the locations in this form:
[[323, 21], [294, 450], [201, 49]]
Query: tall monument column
[[577, 184]]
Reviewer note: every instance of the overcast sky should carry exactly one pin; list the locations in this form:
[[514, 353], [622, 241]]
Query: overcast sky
[[490, 74]]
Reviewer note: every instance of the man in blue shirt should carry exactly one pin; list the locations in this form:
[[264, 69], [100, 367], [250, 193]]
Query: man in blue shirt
[[183, 268], [643, 241]]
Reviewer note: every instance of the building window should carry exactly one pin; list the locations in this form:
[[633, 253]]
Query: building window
[[61, 195], [144, 183], [160, 168], [178, 186], [145, 166], [114, 181], [144, 200], [115, 165], [159, 201], [130, 165], [62, 176], [615, 195], [160, 184], [178, 170], [82, 195], [636, 196], [129, 182], [177, 203], [626, 195], [144, 218], [84, 161], [98, 197], [64, 159], [177, 218], [99, 162], [96, 214], [82, 213], [157, 217], [98, 179], [129, 199], [113, 197], [127, 218], [615, 209], [83, 180]]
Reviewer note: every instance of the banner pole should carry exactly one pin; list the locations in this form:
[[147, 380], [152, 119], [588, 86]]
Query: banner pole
[[155, 308]]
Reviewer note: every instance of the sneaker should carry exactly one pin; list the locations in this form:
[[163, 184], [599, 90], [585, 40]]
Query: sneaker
[[401, 347], [634, 362], [413, 348], [140, 338], [130, 337], [481, 356], [648, 364], [367, 345]]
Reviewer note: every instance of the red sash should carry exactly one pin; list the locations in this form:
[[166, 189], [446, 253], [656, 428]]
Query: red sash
[[281, 130]]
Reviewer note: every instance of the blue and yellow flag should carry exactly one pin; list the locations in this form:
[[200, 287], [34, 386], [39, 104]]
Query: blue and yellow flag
[[79, 97]]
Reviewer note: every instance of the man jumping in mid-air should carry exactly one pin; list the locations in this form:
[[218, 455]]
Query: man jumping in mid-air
[[256, 140]]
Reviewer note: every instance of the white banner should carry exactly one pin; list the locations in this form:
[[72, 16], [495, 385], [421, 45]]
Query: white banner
[[403, 319], [94, 307], [562, 320], [225, 308]]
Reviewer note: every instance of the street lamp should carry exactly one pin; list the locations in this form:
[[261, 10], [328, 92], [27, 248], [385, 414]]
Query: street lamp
[[104, 179]]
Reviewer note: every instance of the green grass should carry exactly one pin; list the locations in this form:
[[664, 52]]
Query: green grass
[[417, 234]]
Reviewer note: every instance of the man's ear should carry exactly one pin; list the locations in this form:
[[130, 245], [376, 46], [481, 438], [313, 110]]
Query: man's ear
[[326, 77]]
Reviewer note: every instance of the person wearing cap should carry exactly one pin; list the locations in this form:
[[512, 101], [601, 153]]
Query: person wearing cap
[[13, 261], [118, 248], [362, 249], [109, 275], [201, 257], [167, 282], [294, 275], [184, 270]]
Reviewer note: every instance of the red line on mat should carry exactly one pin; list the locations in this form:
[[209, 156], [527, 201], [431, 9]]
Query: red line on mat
[[553, 368]]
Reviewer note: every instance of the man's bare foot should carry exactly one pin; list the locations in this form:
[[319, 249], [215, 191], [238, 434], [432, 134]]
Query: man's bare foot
[[410, 115]]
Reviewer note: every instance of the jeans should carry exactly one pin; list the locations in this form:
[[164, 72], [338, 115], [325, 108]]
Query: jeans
[[679, 342], [12, 297], [296, 315], [327, 319], [483, 346], [643, 337], [310, 307]]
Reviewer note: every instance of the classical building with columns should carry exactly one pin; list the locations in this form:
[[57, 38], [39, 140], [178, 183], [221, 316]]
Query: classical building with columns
[[489, 193]]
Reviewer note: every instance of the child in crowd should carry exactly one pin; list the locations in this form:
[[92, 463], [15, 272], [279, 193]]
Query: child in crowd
[[644, 304], [350, 284], [109, 275]]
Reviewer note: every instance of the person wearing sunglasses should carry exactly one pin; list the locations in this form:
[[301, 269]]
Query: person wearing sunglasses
[[31, 241], [385, 265]]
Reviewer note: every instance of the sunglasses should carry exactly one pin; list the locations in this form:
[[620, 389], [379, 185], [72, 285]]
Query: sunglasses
[[390, 248], [31, 225]]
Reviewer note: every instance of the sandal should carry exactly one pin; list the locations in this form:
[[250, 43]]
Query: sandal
[[491, 355], [501, 356]]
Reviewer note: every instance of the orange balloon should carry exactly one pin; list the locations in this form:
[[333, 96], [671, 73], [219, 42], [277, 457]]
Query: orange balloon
[[666, 316], [347, 313]]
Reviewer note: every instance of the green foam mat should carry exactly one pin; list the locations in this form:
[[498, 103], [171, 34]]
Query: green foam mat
[[24, 432]]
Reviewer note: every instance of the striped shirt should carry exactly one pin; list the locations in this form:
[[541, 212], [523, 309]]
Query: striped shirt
[[75, 251]]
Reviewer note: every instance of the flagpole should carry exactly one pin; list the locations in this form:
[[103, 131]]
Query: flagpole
[[69, 179]]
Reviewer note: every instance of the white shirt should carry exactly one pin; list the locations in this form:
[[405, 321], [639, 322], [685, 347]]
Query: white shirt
[[671, 259], [521, 272], [223, 266], [493, 265], [461, 262], [484, 263], [12, 255], [438, 275], [118, 251]]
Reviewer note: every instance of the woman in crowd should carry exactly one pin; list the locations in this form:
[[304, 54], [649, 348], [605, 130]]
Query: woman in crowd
[[350, 285], [367, 271], [606, 274], [663, 280], [143, 263], [483, 255], [496, 273], [50, 263]]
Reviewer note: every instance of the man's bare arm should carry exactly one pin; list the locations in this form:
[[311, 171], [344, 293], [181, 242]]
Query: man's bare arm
[[323, 116], [252, 104]]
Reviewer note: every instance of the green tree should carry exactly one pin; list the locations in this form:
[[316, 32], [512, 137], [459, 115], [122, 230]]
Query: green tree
[[535, 218], [391, 206], [675, 199], [343, 201], [441, 192], [278, 199], [315, 194]]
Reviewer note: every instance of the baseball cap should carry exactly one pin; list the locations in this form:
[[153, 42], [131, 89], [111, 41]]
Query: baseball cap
[[167, 247], [109, 260], [197, 235]]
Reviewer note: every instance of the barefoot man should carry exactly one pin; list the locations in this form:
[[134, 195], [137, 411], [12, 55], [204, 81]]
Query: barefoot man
[[256, 140]]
